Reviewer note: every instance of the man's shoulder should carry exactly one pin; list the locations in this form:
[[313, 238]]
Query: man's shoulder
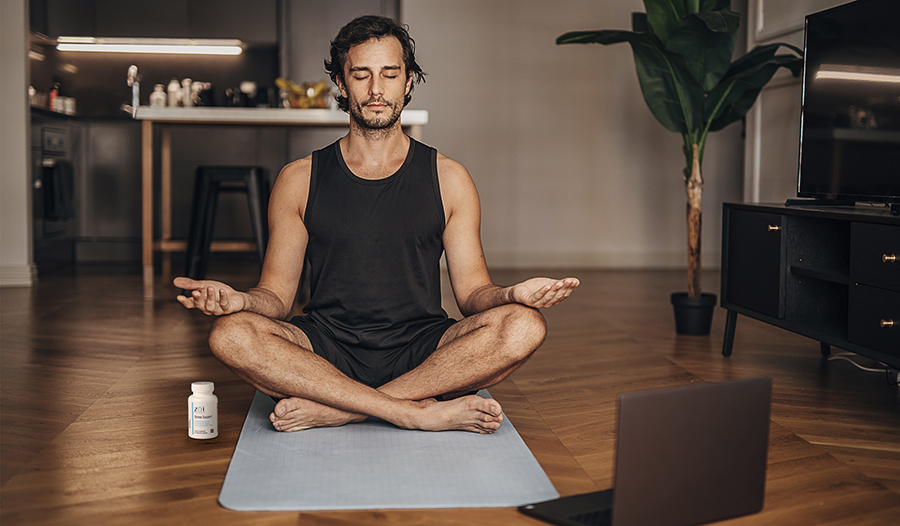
[[450, 170], [297, 171], [457, 187]]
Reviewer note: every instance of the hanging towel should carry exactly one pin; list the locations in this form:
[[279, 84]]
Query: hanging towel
[[59, 186]]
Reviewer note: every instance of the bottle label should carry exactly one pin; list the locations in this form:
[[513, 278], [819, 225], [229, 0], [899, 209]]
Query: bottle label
[[203, 423]]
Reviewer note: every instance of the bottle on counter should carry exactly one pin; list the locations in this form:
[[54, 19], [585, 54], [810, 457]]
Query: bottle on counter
[[158, 97], [54, 94], [174, 93], [186, 100]]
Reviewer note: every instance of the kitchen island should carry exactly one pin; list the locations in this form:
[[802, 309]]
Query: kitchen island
[[412, 120]]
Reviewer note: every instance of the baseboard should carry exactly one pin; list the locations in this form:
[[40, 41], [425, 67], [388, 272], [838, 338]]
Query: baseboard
[[18, 275], [598, 260]]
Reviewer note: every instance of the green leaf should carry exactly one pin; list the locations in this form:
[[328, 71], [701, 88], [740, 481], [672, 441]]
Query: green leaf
[[664, 16], [706, 41], [739, 89], [721, 20], [669, 89]]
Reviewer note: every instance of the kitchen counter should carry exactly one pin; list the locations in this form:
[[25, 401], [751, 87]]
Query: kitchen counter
[[263, 116], [412, 120]]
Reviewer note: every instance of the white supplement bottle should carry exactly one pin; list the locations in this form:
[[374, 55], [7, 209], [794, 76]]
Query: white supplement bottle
[[158, 97], [203, 411], [174, 93]]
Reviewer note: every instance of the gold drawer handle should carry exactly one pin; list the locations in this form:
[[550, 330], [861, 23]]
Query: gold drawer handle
[[773, 228], [888, 258], [886, 324]]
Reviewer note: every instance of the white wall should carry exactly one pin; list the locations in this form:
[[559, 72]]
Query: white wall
[[572, 168], [773, 125], [16, 268]]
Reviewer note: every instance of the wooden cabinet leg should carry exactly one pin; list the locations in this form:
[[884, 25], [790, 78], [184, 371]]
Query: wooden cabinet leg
[[730, 323], [826, 349]]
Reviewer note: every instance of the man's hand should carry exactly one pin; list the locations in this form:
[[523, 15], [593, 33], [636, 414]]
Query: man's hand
[[543, 292], [211, 297]]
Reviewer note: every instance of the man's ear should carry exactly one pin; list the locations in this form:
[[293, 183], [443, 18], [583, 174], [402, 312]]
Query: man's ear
[[409, 81], [339, 80]]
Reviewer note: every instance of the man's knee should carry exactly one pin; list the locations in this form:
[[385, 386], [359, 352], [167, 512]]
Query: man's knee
[[523, 326], [230, 336]]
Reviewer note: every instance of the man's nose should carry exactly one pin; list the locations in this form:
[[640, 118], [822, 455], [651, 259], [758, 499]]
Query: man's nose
[[377, 86]]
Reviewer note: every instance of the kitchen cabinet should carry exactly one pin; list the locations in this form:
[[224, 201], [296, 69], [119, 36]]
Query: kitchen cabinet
[[69, 17], [830, 274], [253, 21], [159, 18]]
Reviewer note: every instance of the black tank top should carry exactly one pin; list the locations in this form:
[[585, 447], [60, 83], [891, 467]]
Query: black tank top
[[374, 249]]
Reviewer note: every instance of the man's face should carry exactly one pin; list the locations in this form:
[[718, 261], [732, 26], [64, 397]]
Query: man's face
[[375, 83]]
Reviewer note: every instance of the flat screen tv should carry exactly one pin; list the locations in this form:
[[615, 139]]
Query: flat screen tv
[[850, 116]]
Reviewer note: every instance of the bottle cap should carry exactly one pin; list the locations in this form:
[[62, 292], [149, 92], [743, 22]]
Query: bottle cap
[[202, 387]]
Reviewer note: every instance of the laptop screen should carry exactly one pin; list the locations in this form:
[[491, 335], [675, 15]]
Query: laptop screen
[[692, 454]]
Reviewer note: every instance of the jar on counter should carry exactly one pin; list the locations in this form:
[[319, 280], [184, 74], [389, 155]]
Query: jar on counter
[[174, 93], [186, 100], [158, 97]]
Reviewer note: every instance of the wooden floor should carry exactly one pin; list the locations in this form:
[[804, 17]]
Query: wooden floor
[[95, 381]]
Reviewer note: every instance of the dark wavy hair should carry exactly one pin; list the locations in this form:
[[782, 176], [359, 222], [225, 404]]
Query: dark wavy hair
[[360, 30]]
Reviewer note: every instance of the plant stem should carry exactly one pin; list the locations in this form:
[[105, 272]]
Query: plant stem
[[694, 187], [701, 141]]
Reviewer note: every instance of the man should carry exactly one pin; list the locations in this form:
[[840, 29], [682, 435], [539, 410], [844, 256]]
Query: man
[[373, 212]]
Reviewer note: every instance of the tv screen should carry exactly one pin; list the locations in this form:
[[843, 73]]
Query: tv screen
[[850, 120]]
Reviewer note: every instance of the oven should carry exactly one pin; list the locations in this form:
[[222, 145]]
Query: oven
[[53, 201]]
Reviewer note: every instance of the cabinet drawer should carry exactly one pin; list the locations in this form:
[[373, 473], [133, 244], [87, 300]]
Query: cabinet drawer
[[875, 255], [874, 319], [755, 262]]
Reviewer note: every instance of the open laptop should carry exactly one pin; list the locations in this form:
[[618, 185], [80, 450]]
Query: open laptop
[[684, 455]]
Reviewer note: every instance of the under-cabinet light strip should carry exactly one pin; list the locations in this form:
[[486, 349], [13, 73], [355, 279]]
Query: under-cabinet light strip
[[150, 45]]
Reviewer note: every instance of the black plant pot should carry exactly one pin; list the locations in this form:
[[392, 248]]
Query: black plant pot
[[693, 315]]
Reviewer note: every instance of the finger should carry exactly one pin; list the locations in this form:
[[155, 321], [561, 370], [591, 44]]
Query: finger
[[558, 297], [199, 296], [187, 302], [210, 299], [184, 283], [223, 299], [542, 292]]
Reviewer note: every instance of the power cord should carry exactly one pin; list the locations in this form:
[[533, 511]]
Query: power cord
[[892, 375]]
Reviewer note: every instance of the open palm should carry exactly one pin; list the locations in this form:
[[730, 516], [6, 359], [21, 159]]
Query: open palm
[[543, 292], [210, 297]]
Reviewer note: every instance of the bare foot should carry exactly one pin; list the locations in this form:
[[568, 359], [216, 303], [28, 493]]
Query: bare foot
[[297, 414], [467, 413]]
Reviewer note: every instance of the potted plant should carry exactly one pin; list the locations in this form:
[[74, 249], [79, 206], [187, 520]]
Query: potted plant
[[682, 53]]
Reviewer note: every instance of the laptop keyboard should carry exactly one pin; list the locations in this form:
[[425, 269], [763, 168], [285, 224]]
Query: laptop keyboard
[[593, 518]]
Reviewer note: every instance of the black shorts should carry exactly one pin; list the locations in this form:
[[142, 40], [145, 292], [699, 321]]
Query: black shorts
[[372, 367]]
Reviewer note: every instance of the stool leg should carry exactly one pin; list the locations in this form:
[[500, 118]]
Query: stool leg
[[198, 225], [256, 196], [209, 223]]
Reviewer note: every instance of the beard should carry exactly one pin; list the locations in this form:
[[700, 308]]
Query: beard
[[384, 121]]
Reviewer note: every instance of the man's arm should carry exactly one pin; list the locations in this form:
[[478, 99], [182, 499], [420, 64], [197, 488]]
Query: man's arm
[[274, 295], [469, 277]]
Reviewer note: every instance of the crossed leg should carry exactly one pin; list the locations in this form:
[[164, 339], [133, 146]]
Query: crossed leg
[[477, 352]]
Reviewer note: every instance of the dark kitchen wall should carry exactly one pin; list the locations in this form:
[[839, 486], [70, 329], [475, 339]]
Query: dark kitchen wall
[[97, 80], [288, 38]]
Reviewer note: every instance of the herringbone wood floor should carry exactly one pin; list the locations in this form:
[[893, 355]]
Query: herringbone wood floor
[[94, 382]]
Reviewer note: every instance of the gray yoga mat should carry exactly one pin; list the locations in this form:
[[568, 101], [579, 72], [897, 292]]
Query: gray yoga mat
[[375, 465]]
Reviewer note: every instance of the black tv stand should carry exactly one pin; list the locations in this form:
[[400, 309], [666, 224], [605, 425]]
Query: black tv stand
[[829, 273], [820, 202], [894, 207]]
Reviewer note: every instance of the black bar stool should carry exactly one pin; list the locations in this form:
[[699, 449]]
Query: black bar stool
[[209, 181]]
